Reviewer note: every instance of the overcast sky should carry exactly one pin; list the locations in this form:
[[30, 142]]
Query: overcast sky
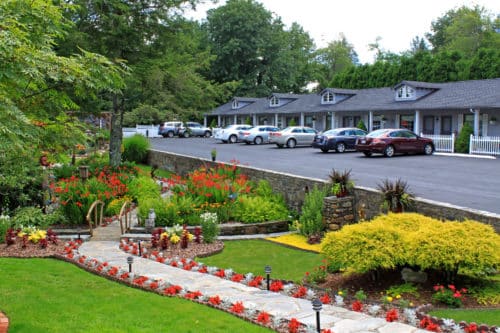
[[361, 21]]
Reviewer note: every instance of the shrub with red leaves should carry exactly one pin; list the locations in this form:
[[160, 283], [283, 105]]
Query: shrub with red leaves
[[197, 235], [357, 306], [10, 236]]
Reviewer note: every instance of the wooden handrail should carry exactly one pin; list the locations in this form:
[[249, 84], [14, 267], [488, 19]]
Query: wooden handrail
[[126, 213], [93, 208]]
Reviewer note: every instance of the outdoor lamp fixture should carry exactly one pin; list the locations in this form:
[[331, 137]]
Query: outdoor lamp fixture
[[267, 270], [84, 172], [317, 306], [140, 249], [130, 261]]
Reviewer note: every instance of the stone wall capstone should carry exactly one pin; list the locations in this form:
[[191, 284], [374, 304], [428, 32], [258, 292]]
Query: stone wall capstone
[[367, 201]]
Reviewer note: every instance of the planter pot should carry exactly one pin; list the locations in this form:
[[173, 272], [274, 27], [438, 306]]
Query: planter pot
[[4, 323], [213, 158]]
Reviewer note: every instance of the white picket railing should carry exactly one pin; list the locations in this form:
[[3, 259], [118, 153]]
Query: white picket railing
[[149, 131], [442, 143], [489, 145]]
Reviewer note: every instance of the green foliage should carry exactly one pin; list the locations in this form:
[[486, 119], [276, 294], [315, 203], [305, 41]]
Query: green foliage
[[487, 292], [361, 125], [64, 171], [213, 123], [143, 188], [360, 295], [254, 209], [5, 224], [292, 122], [448, 295], [209, 227], [248, 121], [396, 195], [402, 289], [136, 148], [311, 218], [463, 139], [409, 239], [29, 216], [341, 183]]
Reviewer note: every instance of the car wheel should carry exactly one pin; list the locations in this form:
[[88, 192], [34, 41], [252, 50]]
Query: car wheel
[[258, 140], [340, 148], [291, 143], [170, 134], [428, 149], [389, 151], [247, 143], [208, 134], [279, 145], [367, 153], [233, 139], [164, 135], [224, 141], [324, 150], [186, 134]]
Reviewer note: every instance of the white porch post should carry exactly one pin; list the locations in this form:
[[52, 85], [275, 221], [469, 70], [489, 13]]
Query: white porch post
[[276, 119], [283, 121], [416, 126], [370, 121], [205, 121], [332, 120], [302, 119], [254, 120], [218, 121], [476, 122], [323, 122]]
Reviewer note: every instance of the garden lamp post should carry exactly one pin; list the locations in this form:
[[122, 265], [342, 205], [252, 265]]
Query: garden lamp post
[[317, 306], [130, 261], [267, 270], [84, 172]]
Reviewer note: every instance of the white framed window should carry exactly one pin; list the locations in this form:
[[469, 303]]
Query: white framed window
[[236, 104], [274, 101], [328, 98], [405, 92]]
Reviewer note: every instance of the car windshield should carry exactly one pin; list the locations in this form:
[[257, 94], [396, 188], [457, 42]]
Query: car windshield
[[377, 133]]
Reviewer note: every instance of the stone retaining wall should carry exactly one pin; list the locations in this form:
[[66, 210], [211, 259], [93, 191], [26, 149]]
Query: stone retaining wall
[[367, 201], [338, 212]]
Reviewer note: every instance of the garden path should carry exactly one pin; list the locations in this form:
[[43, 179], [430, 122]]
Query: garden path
[[339, 319]]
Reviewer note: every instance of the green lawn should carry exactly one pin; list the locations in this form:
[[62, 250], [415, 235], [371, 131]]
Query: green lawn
[[489, 317], [47, 295], [252, 255]]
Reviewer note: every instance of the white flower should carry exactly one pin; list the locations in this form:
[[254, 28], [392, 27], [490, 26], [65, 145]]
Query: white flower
[[339, 300], [310, 294], [374, 309], [228, 273]]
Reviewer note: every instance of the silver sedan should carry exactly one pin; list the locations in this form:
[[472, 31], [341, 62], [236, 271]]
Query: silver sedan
[[293, 136], [257, 134]]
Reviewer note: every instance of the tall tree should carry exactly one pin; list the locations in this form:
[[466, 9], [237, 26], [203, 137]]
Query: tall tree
[[132, 30], [335, 58]]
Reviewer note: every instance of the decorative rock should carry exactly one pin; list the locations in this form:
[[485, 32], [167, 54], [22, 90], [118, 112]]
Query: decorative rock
[[409, 275]]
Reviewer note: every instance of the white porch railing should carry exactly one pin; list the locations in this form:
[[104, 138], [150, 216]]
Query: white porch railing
[[489, 145], [149, 131], [442, 143]]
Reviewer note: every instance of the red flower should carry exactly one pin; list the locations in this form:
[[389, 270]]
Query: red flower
[[124, 276], [220, 273], [214, 300], [357, 306], [301, 292], [193, 295], [256, 281], [392, 315], [276, 286], [172, 290], [237, 277], [237, 307], [327, 330], [203, 269], [471, 328], [325, 299], [293, 326], [263, 318]]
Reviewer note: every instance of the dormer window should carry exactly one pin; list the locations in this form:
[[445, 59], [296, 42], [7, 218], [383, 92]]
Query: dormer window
[[236, 104], [274, 101], [405, 92], [328, 98]]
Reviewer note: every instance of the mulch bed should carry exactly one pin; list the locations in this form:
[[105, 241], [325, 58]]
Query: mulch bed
[[31, 250]]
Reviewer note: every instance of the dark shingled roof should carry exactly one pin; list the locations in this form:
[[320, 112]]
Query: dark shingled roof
[[481, 94]]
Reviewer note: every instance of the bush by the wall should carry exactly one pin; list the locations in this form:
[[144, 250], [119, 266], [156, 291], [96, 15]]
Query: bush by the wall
[[463, 139], [143, 187], [135, 149], [258, 209], [311, 218], [415, 240]]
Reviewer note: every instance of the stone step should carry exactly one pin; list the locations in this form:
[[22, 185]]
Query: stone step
[[84, 238]]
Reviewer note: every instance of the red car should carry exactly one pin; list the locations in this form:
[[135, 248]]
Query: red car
[[393, 141]]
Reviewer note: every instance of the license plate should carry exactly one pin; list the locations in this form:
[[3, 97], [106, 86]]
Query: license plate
[[363, 141]]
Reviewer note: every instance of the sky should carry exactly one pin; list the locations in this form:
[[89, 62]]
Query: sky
[[362, 21]]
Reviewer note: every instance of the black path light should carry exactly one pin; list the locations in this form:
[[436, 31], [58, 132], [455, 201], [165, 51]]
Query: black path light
[[140, 248], [317, 306], [267, 270], [130, 261]]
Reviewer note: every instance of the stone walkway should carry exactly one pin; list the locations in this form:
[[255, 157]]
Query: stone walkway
[[338, 319]]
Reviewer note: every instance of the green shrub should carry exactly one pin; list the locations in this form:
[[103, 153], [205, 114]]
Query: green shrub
[[265, 191], [258, 209], [30, 216], [141, 188], [361, 125], [135, 149], [209, 227], [64, 171], [463, 139], [311, 218]]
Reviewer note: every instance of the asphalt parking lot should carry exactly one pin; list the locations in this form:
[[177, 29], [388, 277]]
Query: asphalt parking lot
[[464, 181]]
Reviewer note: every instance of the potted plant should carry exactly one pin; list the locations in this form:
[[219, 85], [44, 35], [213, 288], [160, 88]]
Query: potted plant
[[341, 183], [493, 120], [396, 195], [213, 153]]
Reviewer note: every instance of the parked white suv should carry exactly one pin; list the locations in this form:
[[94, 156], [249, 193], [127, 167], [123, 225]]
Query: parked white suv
[[191, 128], [230, 132]]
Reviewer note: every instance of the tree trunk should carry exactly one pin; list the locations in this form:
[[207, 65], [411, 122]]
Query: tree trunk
[[115, 141]]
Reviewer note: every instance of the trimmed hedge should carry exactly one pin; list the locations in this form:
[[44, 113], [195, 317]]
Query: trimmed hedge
[[410, 239]]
